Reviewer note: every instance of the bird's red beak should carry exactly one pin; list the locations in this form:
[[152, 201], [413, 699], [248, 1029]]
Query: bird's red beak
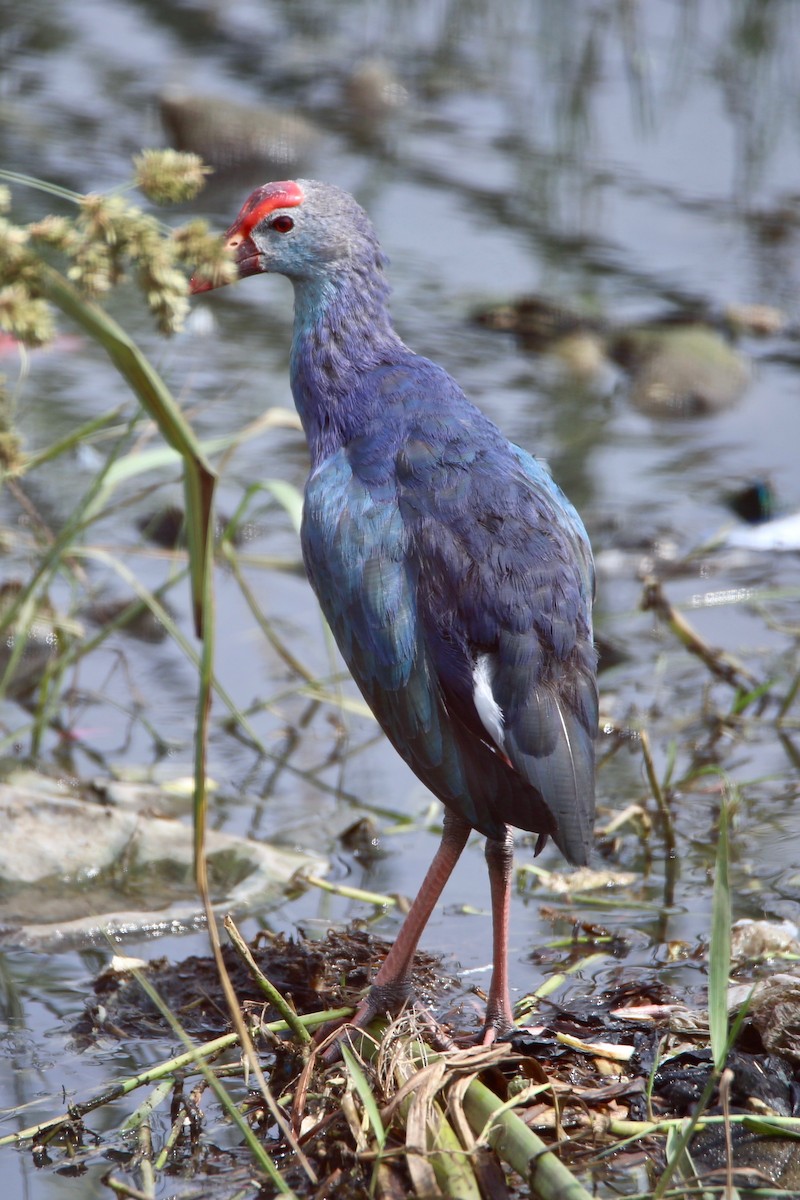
[[246, 257]]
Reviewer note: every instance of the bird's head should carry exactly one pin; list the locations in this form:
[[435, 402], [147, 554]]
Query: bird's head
[[302, 229]]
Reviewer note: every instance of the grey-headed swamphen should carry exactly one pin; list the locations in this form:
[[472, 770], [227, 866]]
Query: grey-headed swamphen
[[455, 575]]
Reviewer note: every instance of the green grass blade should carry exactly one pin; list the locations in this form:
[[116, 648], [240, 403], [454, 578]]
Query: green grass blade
[[288, 497], [20, 612], [40, 185], [253, 1142], [362, 1086], [720, 949], [520, 1147], [77, 436], [155, 397]]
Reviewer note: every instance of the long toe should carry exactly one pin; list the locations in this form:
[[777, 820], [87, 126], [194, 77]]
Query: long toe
[[382, 1000]]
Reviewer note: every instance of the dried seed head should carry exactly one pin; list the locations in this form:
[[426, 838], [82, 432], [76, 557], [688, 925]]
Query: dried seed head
[[11, 456], [206, 252], [106, 218], [169, 176], [107, 236], [58, 232], [94, 269], [17, 262], [24, 316]]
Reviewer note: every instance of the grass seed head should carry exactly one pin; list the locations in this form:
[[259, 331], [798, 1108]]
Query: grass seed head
[[169, 176]]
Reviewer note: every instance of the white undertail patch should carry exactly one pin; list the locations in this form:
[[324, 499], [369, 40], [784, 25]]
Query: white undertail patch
[[489, 711]]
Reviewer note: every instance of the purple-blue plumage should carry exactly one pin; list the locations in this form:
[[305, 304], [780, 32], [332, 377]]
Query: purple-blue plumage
[[455, 575], [431, 541]]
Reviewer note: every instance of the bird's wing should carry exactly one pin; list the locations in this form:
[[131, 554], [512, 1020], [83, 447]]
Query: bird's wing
[[457, 582], [504, 587], [356, 551], [551, 734]]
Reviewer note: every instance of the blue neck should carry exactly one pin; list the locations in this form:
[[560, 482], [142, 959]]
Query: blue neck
[[342, 332]]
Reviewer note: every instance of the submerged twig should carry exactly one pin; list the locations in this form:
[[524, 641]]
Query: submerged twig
[[380, 899], [720, 663], [658, 794], [789, 698]]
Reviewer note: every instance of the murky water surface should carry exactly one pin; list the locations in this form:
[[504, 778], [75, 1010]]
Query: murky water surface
[[617, 159]]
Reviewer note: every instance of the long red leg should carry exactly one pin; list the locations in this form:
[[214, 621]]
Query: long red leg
[[500, 861], [391, 985]]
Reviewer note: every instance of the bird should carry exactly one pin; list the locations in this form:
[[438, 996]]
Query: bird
[[454, 573]]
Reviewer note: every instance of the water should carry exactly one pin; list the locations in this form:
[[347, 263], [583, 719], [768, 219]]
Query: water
[[610, 156]]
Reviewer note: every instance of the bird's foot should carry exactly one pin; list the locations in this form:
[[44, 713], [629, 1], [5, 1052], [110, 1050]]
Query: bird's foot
[[387, 1000], [382, 1001], [497, 1025], [495, 1033], [486, 1037], [497, 1022]]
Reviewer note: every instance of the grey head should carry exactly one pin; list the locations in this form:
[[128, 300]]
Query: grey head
[[303, 229]]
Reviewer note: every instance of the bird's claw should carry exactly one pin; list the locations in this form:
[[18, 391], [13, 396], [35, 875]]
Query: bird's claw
[[381, 1002]]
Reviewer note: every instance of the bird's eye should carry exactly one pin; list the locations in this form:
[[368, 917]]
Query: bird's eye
[[282, 223]]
